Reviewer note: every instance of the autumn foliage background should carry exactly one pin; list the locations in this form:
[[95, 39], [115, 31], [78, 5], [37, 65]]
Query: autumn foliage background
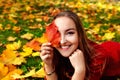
[[23, 22]]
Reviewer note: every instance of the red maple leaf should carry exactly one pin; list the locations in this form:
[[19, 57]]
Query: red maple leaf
[[53, 34]]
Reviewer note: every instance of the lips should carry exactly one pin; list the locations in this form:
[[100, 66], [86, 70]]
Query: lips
[[65, 47]]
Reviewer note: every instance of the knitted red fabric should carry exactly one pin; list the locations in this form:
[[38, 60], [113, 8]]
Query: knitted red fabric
[[98, 62], [113, 53]]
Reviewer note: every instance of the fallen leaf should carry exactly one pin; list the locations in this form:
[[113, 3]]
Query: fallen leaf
[[3, 70], [36, 54], [108, 36], [18, 76], [34, 44], [7, 56], [40, 73], [26, 51], [14, 46], [9, 76], [27, 36], [10, 38], [18, 61], [43, 39], [16, 29]]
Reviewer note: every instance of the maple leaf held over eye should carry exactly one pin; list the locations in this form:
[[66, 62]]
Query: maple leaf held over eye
[[52, 34]]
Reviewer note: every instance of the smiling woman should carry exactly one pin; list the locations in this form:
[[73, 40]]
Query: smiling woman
[[69, 36], [76, 57]]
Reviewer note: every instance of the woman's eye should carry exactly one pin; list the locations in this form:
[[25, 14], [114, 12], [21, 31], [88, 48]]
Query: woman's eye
[[70, 33]]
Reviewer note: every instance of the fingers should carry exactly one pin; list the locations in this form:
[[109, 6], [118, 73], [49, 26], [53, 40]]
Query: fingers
[[77, 60], [77, 52], [45, 57], [46, 52], [46, 49]]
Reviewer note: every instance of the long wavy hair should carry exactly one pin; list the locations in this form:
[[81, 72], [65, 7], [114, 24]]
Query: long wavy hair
[[63, 67]]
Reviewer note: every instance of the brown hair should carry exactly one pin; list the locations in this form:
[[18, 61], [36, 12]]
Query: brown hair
[[62, 65]]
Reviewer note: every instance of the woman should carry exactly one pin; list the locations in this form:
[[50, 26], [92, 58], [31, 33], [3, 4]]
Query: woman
[[75, 57]]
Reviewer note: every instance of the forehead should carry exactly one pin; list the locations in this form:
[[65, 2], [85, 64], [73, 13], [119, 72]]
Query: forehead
[[64, 22]]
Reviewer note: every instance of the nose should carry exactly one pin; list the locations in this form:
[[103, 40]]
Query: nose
[[63, 40]]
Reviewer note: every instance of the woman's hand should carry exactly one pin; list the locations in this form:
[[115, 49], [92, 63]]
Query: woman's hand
[[46, 53], [78, 63]]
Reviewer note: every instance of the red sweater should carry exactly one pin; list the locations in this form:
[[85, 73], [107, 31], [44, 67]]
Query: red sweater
[[106, 62]]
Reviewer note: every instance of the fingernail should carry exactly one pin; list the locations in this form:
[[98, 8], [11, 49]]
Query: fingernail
[[49, 43]]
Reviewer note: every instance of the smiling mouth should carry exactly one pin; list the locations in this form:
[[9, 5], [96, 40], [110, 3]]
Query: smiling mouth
[[65, 47]]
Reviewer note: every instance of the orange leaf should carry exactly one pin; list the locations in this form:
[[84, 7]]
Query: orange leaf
[[11, 67], [52, 34], [16, 29], [34, 44], [7, 56], [3, 70], [9, 76], [45, 18]]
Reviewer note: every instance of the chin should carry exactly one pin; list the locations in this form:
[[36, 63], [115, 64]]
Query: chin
[[67, 55]]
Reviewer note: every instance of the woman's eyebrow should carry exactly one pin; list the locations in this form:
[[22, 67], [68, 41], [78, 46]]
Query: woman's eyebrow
[[70, 29]]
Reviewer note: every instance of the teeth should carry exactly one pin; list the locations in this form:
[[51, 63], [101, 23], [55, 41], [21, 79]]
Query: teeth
[[65, 47]]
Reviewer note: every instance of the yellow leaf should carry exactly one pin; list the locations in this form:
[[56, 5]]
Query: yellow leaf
[[96, 28], [108, 36], [118, 8], [43, 39], [27, 36], [110, 6], [38, 19], [7, 56], [100, 5], [109, 16], [14, 46], [10, 38], [27, 51], [27, 7], [78, 4], [18, 61], [9, 76], [36, 54], [18, 76], [1, 28], [40, 73]]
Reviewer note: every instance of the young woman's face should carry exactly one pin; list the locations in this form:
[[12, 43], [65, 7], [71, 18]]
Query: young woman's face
[[68, 34]]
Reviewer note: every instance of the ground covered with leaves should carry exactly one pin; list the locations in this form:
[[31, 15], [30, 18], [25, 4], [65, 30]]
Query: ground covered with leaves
[[23, 22]]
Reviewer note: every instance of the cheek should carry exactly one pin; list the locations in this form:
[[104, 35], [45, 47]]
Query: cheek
[[75, 42], [74, 39]]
